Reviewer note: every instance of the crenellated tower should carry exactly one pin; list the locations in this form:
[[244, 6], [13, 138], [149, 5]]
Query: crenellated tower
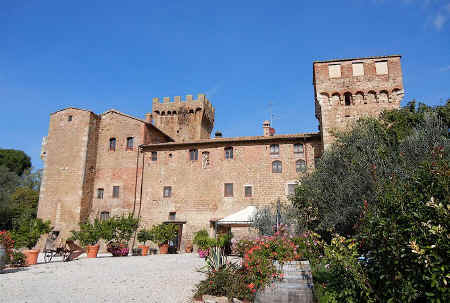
[[348, 89], [184, 120]]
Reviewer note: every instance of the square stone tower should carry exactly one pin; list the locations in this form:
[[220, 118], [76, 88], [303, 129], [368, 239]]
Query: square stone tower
[[347, 89], [184, 120]]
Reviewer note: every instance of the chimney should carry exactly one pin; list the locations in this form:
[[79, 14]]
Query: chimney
[[148, 117], [218, 134], [266, 129]]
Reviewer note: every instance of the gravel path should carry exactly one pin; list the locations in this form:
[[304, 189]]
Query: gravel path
[[153, 279]]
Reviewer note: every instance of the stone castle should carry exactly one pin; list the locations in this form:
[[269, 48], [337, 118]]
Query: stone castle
[[167, 168]]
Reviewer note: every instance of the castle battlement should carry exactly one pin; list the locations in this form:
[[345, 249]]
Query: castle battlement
[[167, 103]]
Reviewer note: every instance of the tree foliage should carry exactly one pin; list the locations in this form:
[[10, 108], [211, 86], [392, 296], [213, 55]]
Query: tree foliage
[[16, 161]]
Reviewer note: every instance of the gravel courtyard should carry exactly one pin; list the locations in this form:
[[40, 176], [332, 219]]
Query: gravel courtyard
[[153, 279]]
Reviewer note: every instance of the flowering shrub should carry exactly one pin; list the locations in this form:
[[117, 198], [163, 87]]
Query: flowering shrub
[[18, 259], [242, 246]]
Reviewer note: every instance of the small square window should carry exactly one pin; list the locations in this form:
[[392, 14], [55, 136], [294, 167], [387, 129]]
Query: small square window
[[300, 166], [112, 144], [358, 69], [334, 70], [228, 190], [274, 149], [100, 192], [248, 191], [167, 192], [69, 118], [104, 215], [381, 67], [154, 156], [130, 143], [116, 190], [298, 148], [193, 154], [172, 216], [228, 153], [291, 188]]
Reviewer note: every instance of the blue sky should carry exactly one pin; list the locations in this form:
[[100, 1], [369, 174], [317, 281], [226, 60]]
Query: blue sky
[[99, 55]]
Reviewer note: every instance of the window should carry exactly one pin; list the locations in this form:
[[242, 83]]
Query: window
[[69, 118], [205, 159], [381, 67], [100, 192], [228, 153], [104, 215], [298, 148], [112, 144], [248, 191], [348, 99], [276, 167], [291, 188], [154, 156], [116, 190], [300, 166], [172, 216], [130, 143], [193, 154], [228, 190], [358, 69], [274, 149], [334, 70], [167, 192]]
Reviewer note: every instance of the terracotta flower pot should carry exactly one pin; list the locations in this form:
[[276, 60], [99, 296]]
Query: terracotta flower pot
[[92, 250], [145, 249], [164, 249], [32, 256]]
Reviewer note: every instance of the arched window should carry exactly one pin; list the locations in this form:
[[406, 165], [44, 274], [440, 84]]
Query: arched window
[[163, 113], [359, 98], [191, 111], [169, 113], [174, 112], [372, 97], [300, 166], [277, 167], [348, 99], [383, 96], [335, 99]]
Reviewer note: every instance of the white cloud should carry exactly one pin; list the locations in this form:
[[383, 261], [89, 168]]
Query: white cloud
[[439, 21]]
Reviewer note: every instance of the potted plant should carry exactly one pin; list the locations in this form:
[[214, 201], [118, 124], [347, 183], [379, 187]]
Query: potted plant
[[188, 248], [203, 242], [162, 234], [117, 231], [6, 245], [143, 236], [89, 235], [27, 232]]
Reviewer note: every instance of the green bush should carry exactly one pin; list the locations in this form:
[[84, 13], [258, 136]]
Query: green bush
[[18, 259], [202, 239], [119, 229], [28, 230], [89, 233], [145, 235], [163, 233]]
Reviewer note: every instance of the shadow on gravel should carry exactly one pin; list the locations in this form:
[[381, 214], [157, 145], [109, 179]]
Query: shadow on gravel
[[13, 270]]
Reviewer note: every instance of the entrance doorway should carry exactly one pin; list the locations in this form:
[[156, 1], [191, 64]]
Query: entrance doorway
[[175, 243]]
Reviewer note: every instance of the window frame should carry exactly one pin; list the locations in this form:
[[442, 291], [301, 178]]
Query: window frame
[[227, 193], [167, 191], [116, 191], [288, 193], [69, 118], [276, 147], [229, 152], [112, 143], [100, 193], [277, 167], [193, 154], [172, 215], [154, 156], [246, 193], [130, 139], [296, 151], [297, 166]]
